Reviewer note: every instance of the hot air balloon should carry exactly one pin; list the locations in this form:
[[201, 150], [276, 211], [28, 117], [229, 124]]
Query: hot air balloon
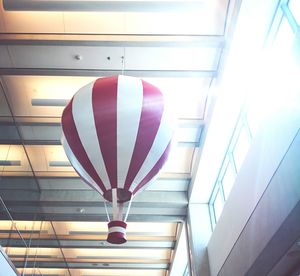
[[117, 136]]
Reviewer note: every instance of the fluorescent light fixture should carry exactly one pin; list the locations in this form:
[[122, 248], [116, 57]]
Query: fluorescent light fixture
[[49, 102], [24, 231], [104, 233], [87, 233], [59, 164], [98, 5], [10, 163], [33, 256]]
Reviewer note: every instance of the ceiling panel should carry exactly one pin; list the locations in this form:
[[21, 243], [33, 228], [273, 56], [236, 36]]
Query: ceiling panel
[[21, 252], [162, 58], [179, 160], [185, 96], [52, 158], [45, 271], [32, 22], [4, 109], [209, 20], [2, 27], [48, 158], [94, 22], [188, 23], [13, 158], [134, 228], [117, 253], [28, 226], [22, 89]]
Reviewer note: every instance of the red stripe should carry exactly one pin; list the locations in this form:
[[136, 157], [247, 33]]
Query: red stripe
[[151, 114], [116, 238], [71, 134], [119, 223], [154, 170], [105, 114]]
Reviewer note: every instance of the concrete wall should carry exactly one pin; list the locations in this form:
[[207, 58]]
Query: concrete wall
[[265, 192]]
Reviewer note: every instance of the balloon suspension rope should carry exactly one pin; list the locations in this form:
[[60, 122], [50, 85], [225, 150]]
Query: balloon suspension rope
[[123, 61], [128, 208], [108, 218]]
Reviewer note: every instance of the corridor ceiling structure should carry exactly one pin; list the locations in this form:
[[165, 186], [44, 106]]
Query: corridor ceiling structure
[[52, 223]]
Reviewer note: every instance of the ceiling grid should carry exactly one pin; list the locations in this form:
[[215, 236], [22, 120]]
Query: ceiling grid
[[45, 57]]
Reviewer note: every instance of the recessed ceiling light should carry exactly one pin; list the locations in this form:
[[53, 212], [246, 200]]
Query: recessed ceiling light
[[59, 164], [113, 6], [10, 163], [49, 102]]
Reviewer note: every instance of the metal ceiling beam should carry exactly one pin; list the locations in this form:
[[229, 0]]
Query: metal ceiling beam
[[103, 6], [93, 217], [92, 197], [115, 40], [75, 183], [53, 243], [106, 73], [95, 264], [58, 142], [181, 122], [82, 209], [50, 133], [88, 205]]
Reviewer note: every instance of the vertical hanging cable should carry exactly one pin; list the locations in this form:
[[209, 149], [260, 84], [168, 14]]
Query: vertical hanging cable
[[29, 246], [123, 61], [36, 250]]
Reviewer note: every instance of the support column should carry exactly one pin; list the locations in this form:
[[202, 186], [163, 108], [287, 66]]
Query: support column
[[198, 234]]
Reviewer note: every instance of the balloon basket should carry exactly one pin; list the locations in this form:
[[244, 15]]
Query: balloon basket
[[116, 232]]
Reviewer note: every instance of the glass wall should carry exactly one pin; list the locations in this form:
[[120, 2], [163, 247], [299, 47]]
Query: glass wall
[[282, 69]]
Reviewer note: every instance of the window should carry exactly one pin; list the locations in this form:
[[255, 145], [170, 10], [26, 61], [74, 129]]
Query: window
[[241, 147], [228, 179], [285, 60], [234, 157], [294, 6], [218, 204]]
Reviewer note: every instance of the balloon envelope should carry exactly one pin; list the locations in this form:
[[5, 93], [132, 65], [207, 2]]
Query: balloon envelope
[[117, 135]]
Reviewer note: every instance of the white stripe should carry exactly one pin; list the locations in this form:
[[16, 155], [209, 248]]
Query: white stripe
[[129, 108], [161, 141], [85, 124], [117, 229], [115, 204], [73, 160]]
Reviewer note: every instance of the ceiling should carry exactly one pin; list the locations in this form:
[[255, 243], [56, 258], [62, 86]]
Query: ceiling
[[59, 222]]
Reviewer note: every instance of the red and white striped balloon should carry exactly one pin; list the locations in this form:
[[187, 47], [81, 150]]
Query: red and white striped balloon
[[117, 135]]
